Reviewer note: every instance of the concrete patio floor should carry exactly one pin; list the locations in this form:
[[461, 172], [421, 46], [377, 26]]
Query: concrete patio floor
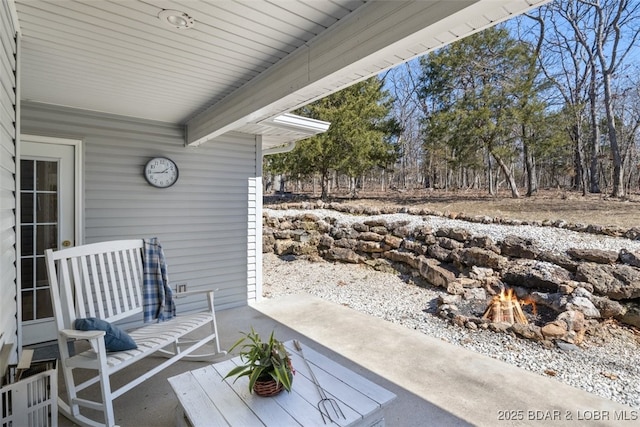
[[437, 384]]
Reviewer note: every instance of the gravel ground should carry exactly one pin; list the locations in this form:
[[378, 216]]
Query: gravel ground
[[607, 364]]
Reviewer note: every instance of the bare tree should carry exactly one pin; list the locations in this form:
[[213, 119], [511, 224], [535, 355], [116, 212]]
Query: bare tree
[[401, 84], [607, 30]]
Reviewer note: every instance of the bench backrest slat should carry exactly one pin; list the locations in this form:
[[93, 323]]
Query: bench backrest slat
[[97, 280]]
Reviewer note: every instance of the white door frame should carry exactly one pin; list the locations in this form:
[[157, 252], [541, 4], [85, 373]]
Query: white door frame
[[78, 205]]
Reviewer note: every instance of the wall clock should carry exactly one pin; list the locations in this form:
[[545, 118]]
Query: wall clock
[[161, 172]]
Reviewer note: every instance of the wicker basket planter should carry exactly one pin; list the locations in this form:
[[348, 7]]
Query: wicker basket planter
[[267, 388]]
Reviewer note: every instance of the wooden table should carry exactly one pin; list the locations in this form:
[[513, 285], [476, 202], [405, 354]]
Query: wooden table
[[208, 400]]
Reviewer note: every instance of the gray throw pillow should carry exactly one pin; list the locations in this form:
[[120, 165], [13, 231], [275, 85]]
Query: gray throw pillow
[[115, 338]]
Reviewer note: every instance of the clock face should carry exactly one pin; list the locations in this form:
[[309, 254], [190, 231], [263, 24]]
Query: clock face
[[161, 172]]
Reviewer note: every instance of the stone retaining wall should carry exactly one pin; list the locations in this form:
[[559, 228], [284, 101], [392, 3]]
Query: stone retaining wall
[[632, 233], [579, 287]]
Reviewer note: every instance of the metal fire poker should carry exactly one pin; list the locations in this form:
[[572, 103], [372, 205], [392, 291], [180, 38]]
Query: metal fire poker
[[326, 405]]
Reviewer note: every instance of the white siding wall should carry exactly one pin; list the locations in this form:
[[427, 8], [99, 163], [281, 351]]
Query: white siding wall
[[201, 221], [8, 306]]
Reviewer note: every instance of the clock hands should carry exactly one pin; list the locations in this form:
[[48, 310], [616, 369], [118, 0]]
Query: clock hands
[[164, 171]]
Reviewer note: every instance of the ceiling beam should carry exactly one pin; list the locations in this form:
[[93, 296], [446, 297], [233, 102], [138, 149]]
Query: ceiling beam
[[378, 32]]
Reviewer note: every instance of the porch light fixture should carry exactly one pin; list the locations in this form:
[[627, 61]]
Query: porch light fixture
[[176, 19]]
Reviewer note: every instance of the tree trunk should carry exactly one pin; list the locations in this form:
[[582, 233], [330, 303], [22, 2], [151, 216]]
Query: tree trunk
[[508, 175], [594, 185], [324, 182], [530, 165], [618, 170], [490, 181]]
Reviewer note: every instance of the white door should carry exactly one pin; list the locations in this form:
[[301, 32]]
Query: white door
[[47, 220]]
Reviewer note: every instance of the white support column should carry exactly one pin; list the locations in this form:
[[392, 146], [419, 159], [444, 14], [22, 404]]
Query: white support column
[[254, 243]]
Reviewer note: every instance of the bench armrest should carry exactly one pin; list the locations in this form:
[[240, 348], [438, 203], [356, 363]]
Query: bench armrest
[[189, 293], [81, 335]]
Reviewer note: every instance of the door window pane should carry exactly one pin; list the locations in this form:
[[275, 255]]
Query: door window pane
[[46, 238], [27, 305], [26, 174], [46, 176], [47, 207], [27, 273], [43, 304], [41, 272], [27, 240], [26, 210]]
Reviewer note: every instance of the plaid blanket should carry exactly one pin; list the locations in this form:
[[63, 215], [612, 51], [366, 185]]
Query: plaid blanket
[[157, 295]]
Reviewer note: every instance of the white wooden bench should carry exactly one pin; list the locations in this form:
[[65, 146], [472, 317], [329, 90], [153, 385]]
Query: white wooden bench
[[104, 280]]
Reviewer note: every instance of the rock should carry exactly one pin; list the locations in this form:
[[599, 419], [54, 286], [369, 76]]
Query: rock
[[376, 222], [449, 299], [565, 289], [393, 242], [458, 234], [283, 247], [434, 272], [304, 249], [360, 228], [346, 243], [585, 306], [422, 232], [468, 282], [562, 260], [449, 243], [518, 247], [370, 236], [325, 242], [408, 258], [476, 294], [613, 231], [554, 330], [593, 255], [567, 347], [484, 242], [383, 231], [631, 315], [480, 273], [479, 257], [608, 308], [616, 282], [447, 311], [629, 258], [535, 275], [529, 331], [267, 242], [401, 232], [471, 325], [633, 233], [342, 255], [455, 288], [369, 247], [499, 326], [555, 301], [573, 319], [439, 253], [459, 320], [383, 265]]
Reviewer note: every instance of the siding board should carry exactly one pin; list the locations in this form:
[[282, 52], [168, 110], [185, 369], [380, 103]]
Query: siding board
[[201, 221], [8, 273]]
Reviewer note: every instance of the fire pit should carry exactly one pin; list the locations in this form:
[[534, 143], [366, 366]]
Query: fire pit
[[506, 308]]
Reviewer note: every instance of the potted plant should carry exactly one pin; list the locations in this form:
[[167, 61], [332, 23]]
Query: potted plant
[[267, 364]]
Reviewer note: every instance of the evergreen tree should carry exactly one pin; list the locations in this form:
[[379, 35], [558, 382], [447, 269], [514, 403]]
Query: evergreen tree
[[358, 140]]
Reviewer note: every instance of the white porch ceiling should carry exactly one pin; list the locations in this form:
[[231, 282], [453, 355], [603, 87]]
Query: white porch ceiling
[[244, 61]]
